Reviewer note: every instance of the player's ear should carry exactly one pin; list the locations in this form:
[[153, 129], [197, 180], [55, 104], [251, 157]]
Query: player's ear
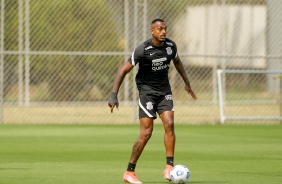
[[151, 30]]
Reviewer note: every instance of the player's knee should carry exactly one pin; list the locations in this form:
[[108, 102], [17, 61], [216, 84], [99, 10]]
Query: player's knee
[[169, 125], [146, 134]]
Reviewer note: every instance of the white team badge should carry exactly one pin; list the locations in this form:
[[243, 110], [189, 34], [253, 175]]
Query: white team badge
[[149, 105], [168, 50], [168, 97]]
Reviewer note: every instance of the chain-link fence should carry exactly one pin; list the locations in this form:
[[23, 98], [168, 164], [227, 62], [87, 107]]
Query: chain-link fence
[[59, 57]]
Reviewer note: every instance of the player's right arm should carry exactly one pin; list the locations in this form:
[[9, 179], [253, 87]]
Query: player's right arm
[[126, 68]]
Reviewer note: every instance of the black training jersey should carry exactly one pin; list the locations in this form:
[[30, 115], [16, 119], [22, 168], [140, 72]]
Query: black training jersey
[[154, 62]]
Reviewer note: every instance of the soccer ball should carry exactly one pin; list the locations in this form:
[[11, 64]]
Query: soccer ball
[[179, 174]]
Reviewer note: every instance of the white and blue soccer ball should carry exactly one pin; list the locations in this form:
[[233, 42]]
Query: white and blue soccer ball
[[179, 174]]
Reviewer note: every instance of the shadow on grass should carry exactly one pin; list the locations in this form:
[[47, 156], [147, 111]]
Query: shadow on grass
[[13, 168], [189, 182]]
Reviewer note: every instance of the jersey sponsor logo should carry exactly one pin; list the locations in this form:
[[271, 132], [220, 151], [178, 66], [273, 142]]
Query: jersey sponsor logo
[[168, 50], [147, 48], [152, 53], [157, 64], [159, 60], [149, 105], [161, 67], [169, 43], [168, 97]]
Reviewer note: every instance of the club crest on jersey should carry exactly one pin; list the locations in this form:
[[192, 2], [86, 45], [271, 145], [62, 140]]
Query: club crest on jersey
[[149, 105], [168, 97], [168, 50]]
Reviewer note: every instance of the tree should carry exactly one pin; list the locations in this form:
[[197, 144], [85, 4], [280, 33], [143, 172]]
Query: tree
[[65, 25]]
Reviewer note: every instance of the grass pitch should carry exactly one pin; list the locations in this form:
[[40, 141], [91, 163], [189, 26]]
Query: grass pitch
[[65, 154]]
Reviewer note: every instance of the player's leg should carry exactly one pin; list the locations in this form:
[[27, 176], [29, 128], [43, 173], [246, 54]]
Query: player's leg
[[166, 111], [146, 129], [169, 135], [147, 114], [169, 140]]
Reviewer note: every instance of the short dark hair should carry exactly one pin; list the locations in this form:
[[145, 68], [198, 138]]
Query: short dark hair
[[157, 20]]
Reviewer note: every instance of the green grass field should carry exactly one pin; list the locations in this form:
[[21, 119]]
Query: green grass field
[[98, 154]]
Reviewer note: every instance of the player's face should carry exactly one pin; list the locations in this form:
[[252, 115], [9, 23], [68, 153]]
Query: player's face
[[158, 31]]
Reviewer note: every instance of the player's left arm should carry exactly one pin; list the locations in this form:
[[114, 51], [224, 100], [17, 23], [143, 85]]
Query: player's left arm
[[180, 68]]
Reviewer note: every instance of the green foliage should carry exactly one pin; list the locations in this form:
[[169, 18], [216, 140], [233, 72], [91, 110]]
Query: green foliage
[[72, 26], [62, 26]]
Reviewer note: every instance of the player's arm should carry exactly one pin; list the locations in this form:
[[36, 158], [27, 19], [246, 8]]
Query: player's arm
[[180, 68], [127, 67]]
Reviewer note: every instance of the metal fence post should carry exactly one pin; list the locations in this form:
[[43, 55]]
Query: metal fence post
[[27, 54], [2, 60]]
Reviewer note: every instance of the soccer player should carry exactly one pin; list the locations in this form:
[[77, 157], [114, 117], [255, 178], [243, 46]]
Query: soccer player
[[154, 57]]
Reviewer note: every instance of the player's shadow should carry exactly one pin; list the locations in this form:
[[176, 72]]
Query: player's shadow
[[206, 181], [188, 182], [12, 168]]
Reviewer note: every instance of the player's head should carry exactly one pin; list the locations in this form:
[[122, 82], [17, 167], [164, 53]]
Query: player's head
[[158, 30]]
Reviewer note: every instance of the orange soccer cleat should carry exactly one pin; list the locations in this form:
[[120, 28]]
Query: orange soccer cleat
[[130, 177], [167, 172]]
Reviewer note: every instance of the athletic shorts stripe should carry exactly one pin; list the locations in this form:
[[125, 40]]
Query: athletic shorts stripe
[[144, 109]]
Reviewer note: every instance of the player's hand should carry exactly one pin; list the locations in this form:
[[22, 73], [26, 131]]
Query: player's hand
[[190, 92], [113, 101]]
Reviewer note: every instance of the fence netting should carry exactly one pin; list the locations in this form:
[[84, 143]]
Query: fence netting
[[59, 58]]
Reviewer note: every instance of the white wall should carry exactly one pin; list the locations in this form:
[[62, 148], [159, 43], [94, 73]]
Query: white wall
[[223, 30]]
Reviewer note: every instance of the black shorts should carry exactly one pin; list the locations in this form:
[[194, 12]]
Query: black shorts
[[149, 105]]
